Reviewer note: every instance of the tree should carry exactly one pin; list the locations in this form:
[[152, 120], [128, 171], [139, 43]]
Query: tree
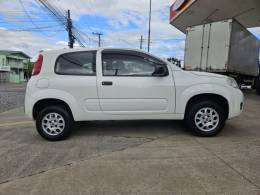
[[28, 71], [174, 61]]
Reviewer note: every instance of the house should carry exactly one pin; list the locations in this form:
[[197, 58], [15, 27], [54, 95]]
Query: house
[[13, 65]]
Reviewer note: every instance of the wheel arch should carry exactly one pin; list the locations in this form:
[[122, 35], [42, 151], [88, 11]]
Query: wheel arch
[[43, 103], [221, 100]]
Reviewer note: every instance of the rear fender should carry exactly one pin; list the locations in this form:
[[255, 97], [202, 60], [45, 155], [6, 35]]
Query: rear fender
[[60, 95]]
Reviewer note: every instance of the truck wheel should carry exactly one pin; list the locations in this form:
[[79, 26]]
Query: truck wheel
[[239, 81], [205, 118], [257, 85], [54, 123]]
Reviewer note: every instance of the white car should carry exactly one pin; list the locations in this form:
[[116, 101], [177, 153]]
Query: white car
[[122, 84]]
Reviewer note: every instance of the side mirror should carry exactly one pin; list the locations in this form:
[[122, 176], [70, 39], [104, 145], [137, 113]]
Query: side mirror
[[160, 71]]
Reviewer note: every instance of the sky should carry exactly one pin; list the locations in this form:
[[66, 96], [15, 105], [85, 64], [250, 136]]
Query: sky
[[25, 25]]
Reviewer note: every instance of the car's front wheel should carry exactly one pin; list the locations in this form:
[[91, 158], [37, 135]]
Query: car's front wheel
[[205, 118], [54, 123]]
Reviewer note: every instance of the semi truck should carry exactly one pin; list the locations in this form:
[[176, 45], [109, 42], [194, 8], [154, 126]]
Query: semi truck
[[224, 47]]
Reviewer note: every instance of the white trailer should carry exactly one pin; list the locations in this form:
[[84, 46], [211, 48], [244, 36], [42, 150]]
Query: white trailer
[[224, 47]]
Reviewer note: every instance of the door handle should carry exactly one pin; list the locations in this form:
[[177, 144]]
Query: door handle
[[107, 83]]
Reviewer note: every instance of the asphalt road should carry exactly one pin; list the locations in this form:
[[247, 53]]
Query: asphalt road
[[139, 157]]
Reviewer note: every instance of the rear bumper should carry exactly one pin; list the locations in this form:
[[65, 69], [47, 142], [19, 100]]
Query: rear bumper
[[237, 103], [28, 106]]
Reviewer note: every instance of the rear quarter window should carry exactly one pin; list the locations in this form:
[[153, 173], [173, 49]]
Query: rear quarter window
[[76, 63]]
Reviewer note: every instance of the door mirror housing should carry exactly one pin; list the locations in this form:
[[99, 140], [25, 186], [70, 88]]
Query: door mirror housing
[[160, 71]]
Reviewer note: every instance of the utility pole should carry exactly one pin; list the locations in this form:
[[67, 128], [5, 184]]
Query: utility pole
[[69, 28], [149, 31], [141, 42], [99, 37]]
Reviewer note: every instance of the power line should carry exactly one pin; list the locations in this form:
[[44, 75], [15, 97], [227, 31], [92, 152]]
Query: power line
[[57, 15], [79, 37], [44, 24], [73, 33], [28, 15]]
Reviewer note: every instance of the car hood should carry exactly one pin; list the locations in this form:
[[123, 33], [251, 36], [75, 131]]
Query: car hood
[[206, 74]]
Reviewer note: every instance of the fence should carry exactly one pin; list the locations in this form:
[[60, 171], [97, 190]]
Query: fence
[[4, 77]]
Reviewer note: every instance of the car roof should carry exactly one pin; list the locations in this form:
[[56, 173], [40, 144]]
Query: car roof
[[61, 51]]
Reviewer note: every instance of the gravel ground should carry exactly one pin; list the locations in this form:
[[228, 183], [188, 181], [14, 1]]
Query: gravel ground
[[11, 96]]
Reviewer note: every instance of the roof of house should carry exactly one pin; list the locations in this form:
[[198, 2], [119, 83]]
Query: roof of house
[[9, 52]]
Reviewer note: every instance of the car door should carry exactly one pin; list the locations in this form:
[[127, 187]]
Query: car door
[[126, 84]]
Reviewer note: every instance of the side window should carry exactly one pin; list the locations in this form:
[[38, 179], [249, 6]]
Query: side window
[[77, 63], [128, 65]]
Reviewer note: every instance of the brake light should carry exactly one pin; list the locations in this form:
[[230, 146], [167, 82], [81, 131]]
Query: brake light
[[37, 66]]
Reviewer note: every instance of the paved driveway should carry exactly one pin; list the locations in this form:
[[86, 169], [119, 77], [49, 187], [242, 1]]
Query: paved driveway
[[138, 157]]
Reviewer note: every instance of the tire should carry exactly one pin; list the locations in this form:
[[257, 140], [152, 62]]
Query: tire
[[208, 125], [54, 123], [257, 85]]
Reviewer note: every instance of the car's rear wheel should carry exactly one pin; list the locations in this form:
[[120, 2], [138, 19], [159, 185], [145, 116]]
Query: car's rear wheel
[[54, 123], [205, 118]]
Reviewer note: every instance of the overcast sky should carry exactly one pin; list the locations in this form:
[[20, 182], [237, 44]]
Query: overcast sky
[[25, 25]]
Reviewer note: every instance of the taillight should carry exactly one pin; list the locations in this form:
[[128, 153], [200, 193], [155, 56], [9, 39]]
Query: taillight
[[37, 66]]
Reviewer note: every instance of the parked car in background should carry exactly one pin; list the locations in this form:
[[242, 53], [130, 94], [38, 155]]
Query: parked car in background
[[68, 86]]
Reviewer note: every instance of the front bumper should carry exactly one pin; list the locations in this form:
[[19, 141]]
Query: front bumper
[[236, 103]]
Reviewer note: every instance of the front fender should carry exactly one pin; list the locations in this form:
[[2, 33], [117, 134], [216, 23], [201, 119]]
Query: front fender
[[183, 96]]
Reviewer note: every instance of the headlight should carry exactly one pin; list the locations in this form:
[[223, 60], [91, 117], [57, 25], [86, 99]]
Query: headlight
[[232, 82]]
